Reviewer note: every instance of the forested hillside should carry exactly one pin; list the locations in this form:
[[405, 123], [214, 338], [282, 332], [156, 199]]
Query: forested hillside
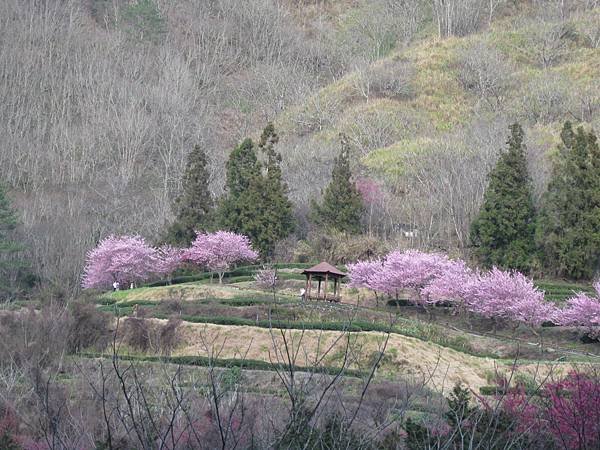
[[101, 101]]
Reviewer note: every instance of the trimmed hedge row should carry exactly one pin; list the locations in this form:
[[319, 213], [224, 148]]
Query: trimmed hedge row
[[354, 327], [498, 390], [248, 364], [242, 271]]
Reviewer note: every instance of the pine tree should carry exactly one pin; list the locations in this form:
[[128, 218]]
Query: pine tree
[[568, 230], [342, 207], [257, 205], [11, 266], [237, 210], [194, 206], [278, 209], [503, 233]]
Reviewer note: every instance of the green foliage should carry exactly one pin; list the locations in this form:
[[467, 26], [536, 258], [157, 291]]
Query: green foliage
[[418, 436], [12, 267], [568, 229], [277, 208], [458, 405], [256, 204], [143, 21], [342, 207], [248, 364], [8, 443], [503, 233], [194, 206]]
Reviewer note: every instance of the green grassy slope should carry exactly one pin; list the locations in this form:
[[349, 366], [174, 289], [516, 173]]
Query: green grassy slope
[[439, 103]]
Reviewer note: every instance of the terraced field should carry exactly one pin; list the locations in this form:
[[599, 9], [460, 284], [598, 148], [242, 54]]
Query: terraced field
[[248, 327]]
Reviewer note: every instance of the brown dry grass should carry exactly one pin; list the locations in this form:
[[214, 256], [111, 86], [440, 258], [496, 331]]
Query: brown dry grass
[[405, 356], [183, 292]]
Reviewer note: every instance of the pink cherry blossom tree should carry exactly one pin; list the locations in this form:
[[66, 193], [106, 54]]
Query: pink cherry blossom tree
[[582, 310], [432, 276], [508, 295], [362, 275], [169, 259], [125, 259], [266, 278], [454, 284], [410, 269], [220, 250], [372, 197], [573, 412]]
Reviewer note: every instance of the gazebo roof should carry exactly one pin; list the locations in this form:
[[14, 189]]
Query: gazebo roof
[[323, 268]]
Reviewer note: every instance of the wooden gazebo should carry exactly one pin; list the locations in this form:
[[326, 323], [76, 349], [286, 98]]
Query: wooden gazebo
[[323, 273]]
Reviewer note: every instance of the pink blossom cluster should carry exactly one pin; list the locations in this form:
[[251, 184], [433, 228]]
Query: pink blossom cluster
[[434, 277], [369, 190], [570, 412], [220, 250], [266, 278], [362, 274], [129, 259], [582, 310], [124, 259], [169, 259], [508, 295]]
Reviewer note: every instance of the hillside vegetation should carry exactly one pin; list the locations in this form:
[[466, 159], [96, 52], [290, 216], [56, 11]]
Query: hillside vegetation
[[103, 100]]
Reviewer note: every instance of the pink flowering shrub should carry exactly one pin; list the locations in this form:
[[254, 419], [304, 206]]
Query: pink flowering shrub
[[509, 295], [496, 294], [266, 278], [453, 284], [369, 190], [362, 274], [410, 270], [219, 251], [573, 411], [125, 259], [432, 276], [11, 438], [582, 310], [168, 260]]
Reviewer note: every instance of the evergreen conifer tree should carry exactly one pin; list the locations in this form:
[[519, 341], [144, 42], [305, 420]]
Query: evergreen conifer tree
[[569, 224], [194, 206], [342, 206], [257, 205], [11, 265], [278, 209], [503, 233], [238, 209]]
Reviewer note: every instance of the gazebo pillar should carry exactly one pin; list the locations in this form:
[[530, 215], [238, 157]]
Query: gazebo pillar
[[308, 285], [325, 291]]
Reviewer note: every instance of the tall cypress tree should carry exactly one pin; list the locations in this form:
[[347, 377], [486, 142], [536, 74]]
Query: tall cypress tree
[[503, 233], [278, 209], [194, 206], [237, 211], [11, 266], [256, 204], [569, 224], [342, 206]]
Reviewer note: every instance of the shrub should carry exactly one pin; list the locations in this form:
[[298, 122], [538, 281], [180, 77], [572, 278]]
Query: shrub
[[485, 72], [89, 327], [546, 99], [339, 248], [390, 78], [148, 336]]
